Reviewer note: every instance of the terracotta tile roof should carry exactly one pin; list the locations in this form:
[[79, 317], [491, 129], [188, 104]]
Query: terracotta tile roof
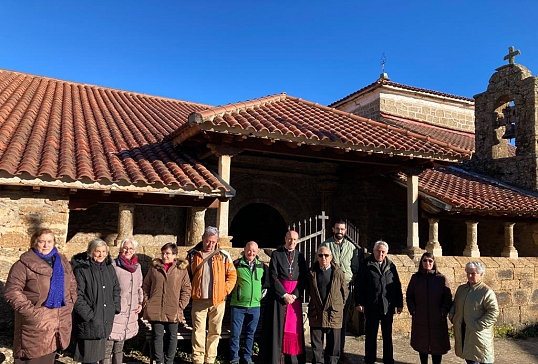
[[467, 192], [285, 118], [458, 138], [385, 82], [72, 132]]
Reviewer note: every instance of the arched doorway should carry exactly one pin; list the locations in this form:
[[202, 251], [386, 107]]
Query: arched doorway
[[258, 222]]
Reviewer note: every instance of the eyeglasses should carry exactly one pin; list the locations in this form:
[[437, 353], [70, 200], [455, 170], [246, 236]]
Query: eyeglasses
[[128, 249], [167, 254], [427, 260], [324, 255]]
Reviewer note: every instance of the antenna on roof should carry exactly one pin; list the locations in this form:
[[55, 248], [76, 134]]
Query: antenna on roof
[[384, 75]]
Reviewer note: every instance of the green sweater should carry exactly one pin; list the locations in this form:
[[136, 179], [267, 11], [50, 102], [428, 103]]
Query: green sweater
[[250, 283]]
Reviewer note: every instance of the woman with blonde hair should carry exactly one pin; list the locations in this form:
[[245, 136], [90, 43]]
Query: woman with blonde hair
[[126, 322], [41, 288]]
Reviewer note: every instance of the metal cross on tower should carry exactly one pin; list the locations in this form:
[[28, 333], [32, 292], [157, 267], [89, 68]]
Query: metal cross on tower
[[511, 55]]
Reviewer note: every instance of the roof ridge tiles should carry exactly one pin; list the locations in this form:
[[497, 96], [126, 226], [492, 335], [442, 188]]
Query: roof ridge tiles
[[241, 105]]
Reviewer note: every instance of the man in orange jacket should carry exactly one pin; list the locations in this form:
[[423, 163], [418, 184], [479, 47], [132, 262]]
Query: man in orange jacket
[[213, 277]]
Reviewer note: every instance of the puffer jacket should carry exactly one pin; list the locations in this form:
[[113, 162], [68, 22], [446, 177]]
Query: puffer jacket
[[223, 269], [476, 306], [38, 330], [331, 314], [98, 293], [166, 294], [378, 290], [126, 322]]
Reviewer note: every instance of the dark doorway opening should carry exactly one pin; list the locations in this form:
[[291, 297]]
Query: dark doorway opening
[[258, 222]]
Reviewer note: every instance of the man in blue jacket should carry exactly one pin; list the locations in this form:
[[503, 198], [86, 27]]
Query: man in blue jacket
[[252, 282]]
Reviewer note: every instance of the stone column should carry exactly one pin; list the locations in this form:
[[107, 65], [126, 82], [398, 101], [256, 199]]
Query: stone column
[[509, 250], [223, 210], [413, 248], [471, 249], [433, 246], [125, 222], [196, 225]]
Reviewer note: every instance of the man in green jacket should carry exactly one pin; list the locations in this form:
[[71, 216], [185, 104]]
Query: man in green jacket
[[346, 256], [252, 282]]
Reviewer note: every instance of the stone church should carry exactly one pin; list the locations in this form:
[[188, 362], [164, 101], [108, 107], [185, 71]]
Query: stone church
[[399, 162], [420, 169]]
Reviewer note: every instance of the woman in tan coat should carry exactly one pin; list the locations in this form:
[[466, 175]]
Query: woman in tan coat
[[167, 290], [42, 290]]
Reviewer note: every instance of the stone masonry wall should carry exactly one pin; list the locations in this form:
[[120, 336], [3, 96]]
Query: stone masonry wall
[[23, 211], [445, 115]]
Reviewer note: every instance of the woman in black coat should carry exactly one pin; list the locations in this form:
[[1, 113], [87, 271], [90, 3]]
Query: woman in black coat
[[429, 300], [98, 300]]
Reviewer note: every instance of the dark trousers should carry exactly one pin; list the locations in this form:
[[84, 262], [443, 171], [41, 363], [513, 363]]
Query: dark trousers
[[349, 303], [436, 359], [164, 341], [372, 326], [331, 354]]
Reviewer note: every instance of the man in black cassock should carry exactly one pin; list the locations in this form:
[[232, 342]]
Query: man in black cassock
[[283, 337]]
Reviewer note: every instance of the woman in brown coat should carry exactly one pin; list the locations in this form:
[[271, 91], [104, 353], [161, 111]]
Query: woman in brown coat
[[429, 300], [42, 290], [167, 290]]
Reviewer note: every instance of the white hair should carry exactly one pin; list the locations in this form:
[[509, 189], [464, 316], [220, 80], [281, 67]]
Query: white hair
[[129, 240], [480, 268], [381, 242]]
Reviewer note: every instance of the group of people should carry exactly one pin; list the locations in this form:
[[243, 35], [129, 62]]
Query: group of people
[[97, 295], [102, 298]]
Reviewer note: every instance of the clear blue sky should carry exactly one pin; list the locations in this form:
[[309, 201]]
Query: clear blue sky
[[219, 52]]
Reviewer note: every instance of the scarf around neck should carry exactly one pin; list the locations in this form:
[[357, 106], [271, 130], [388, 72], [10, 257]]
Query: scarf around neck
[[128, 265], [55, 299]]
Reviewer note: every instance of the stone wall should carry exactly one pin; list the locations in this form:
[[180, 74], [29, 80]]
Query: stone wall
[[442, 113], [23, 211], [152, 225], [515, 282]]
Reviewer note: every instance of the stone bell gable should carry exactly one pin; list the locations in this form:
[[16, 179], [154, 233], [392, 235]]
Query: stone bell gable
[[506, 117]]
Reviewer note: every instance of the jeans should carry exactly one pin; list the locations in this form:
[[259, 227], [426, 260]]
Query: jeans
[[249, 316], [165, 343]]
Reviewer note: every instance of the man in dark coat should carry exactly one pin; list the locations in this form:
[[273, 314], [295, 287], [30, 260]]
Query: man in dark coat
[[283, 340], [327, 287], [378, 293]]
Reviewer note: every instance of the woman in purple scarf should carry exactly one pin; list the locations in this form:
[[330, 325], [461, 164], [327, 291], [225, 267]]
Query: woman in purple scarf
[[126, 322], [42, 290]]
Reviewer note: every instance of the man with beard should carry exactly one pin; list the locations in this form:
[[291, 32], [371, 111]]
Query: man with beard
[[346, 257]]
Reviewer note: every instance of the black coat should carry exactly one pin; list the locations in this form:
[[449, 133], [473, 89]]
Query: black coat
[[98, 297], [429, 300], [273, 320], [378, 291]]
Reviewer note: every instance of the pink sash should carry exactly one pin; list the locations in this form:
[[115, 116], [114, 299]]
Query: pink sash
[[293, 324]]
